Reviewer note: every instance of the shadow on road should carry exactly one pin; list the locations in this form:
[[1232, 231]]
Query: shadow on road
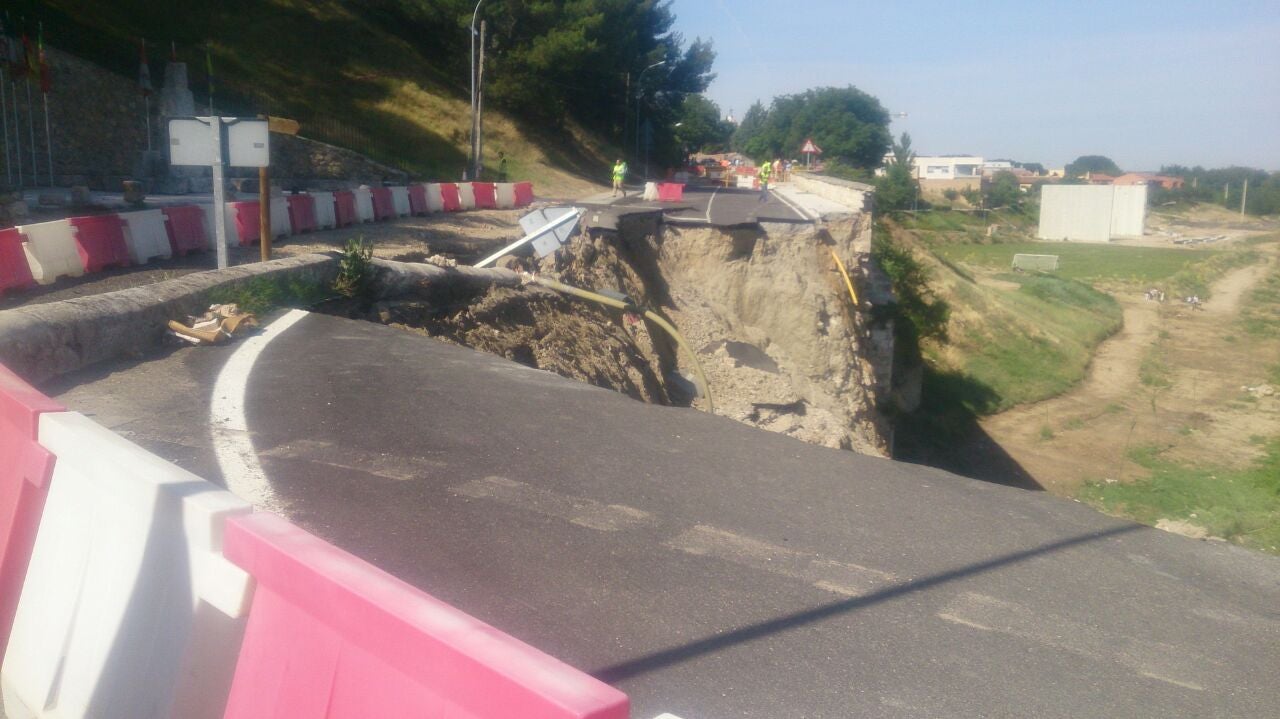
[[676, 655]]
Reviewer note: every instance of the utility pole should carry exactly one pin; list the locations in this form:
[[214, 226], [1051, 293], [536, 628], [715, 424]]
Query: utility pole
[[1243, 196], [480, 107], [472, 59]]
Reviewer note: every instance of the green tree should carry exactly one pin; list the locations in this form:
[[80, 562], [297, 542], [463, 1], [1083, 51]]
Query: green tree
[[896, 189], [1092, 163], [701, 127], [1003, 191], [849, 125]]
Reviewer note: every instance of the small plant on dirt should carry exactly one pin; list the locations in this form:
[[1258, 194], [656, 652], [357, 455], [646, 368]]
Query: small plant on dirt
[[1046, 433], [355, 271], [1075, 423]]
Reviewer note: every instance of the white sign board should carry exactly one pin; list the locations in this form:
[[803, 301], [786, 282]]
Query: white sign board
[[247, 142]]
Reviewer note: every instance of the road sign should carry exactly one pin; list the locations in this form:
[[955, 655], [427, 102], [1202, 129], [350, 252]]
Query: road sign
[[810, 148], [216, 142]]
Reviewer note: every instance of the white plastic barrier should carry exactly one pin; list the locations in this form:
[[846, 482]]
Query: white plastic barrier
[[506, 195], [467, 195], [435, 203], [326, 217], [129, 608], [400, 201], [364, 204], [145, 235], [233, 236], [748, 181], [280, 224], [51, 250], [650, 192]]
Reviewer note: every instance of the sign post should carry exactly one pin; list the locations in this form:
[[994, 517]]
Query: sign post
[[217, 142], [809, 150]]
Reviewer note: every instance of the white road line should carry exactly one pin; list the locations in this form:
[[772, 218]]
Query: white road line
[[709, 202], [232, 443], [803, 215], [576, 510]]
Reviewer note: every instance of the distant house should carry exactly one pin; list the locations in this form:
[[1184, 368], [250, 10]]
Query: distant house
[[947, 167], [1150, 179], [989, 169], [1099, 178]]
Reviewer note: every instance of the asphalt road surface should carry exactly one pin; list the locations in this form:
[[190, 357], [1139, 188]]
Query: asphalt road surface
[[711, 205], [707, 568]]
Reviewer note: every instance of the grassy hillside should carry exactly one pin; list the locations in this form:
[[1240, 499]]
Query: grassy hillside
[[354, 74]]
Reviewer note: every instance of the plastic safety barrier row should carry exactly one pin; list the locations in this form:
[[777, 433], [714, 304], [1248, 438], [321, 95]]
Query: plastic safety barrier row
[[435, 200], [400, 200], [15, 273], [383, 207], [146, 236], [246, 217], [484, 195], [325, 210], [364, 204], [344, 208], [129, 608], [506, 195], [670, 192], [466, 195], [24, 482], [450, 197], [333, 637], [524, 194], [302, 213], [185, 228]]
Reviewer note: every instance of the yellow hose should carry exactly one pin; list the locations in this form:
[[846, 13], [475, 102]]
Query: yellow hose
[[847, 282], [657, 319]]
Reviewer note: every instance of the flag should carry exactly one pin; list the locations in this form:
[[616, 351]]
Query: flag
[[144, 71], [46, 77]]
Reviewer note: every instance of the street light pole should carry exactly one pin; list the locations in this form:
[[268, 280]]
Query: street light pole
[[639, 93], [474, 160]]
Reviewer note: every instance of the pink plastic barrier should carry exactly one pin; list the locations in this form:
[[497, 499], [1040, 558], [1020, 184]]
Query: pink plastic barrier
[[670, 191], [449, 197], [24, 476], [486, 195], [248, 216], [302, 213], [344, 208], [418, 199], [383, 206], [185, 224], [332, 637], [100, 241], [15, 273], [524, 194]]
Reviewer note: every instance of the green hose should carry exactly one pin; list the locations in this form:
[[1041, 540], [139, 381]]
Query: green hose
[[628, 307]]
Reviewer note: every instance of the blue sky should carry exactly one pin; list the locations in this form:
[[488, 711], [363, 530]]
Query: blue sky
[[1145, 83]]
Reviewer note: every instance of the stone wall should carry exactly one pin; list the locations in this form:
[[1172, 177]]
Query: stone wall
[[98, 124]]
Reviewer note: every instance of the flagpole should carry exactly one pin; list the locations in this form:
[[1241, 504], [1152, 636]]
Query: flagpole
[[8, 156], [31, 127]]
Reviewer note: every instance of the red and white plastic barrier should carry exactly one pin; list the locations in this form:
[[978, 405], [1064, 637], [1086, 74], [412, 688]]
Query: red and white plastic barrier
[[332, 637], [281, 225], [100, 241], [146, 236], [383, 209], [485, 195], [670, 192], [302, 213], [418, 199], [450, 197], [185, 227], [466, 195], [435, 199], [24, 482], [344, 208], [505, 194], [15, 273], [400, 200], [364, 204], [129, 608], [524, 194], [325, 211]]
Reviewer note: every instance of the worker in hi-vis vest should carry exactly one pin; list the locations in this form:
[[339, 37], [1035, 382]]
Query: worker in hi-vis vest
[[619, 173], [766, 171]]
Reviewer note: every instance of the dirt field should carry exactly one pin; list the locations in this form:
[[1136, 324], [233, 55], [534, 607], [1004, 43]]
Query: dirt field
[[1194, 365]]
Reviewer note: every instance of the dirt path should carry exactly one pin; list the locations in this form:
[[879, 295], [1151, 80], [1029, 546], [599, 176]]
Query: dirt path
[[1194, 363]]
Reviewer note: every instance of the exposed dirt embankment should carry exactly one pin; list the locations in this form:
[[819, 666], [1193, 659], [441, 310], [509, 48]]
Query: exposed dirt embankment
[[764, 308]]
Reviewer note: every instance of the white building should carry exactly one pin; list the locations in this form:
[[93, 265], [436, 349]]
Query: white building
[[947, 167]]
